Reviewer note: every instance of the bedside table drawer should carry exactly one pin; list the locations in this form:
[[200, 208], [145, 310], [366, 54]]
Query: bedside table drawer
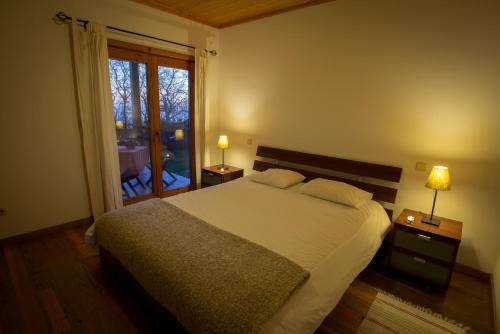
[[213, 175], [232, 176], [210, 178], [425, 245], [414, 265]]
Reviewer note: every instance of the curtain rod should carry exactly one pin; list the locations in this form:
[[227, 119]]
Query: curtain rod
[[61, 17]]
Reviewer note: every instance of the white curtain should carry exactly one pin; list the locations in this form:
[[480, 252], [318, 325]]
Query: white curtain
[[201, 118], [97, 125]]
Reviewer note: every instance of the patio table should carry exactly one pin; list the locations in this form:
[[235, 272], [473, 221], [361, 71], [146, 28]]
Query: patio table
[[133, 159]]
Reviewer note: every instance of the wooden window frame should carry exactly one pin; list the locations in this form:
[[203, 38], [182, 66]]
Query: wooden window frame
[[153, 57]]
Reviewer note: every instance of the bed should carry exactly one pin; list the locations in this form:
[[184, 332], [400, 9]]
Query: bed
[[331, 242]]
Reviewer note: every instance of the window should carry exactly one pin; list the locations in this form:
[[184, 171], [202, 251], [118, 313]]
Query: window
[[152, 94]]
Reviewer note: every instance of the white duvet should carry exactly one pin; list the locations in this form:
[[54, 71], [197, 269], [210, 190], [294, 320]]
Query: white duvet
[[332, 241]]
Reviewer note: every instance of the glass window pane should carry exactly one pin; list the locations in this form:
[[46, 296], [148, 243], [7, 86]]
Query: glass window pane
[[129, 94], [173, 87]]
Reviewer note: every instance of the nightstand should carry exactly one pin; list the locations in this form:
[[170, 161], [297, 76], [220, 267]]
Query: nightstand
[[425, 251], [211, 176]]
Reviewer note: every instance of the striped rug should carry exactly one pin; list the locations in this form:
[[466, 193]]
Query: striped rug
[[389, 315]]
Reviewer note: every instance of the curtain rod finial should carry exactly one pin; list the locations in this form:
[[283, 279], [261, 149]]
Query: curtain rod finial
[[60, 17]]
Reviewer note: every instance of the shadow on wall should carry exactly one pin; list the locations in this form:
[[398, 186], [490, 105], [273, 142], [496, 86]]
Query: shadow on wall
[[470, 253]]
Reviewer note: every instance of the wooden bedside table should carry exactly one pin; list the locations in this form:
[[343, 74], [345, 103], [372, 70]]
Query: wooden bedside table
[[211, 176], [425, 251]]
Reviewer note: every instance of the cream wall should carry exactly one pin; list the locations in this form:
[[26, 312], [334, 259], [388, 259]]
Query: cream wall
[[384, 81], [42, 180]]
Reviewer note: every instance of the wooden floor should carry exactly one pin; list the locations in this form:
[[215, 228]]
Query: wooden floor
[[55, 284]]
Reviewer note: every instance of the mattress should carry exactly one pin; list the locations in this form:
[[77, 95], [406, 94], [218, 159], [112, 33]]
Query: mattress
[[333, 242]]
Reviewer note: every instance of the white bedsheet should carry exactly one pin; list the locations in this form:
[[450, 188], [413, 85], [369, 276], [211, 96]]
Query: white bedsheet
[[332, 241]]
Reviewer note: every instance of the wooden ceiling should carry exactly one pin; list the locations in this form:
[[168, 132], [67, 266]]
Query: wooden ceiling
[[224, 13]]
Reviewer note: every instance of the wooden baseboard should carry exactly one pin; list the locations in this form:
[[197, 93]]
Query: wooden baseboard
[[48, 230], [494, 306], [462, 268]]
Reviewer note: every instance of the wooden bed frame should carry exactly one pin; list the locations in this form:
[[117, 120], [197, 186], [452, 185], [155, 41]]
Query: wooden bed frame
[[356, 168], [370, 173]]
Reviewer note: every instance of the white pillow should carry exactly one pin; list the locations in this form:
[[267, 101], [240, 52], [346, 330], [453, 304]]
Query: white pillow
[[276, 177], [338, 192]]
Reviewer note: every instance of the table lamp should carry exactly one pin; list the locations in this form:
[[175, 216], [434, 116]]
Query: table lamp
[[223, 144], [439, 179]]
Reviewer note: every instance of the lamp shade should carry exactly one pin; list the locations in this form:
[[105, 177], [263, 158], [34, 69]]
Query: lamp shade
[[179, 134], [223, 143], [439, 178]]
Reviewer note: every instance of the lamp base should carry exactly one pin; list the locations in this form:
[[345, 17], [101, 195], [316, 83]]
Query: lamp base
[[428, 220]]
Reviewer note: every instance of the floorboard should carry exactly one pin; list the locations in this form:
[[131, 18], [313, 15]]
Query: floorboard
[[10, 316], [467, 300], [56, 284], [30, 308]]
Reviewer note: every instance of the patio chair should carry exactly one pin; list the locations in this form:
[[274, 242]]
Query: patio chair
[[126, 177], [166, 156]]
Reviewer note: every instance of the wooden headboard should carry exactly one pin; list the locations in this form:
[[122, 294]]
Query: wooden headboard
[[354, 168]]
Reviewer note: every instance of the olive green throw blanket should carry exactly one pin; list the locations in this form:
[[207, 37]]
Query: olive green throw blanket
[[211, 280]]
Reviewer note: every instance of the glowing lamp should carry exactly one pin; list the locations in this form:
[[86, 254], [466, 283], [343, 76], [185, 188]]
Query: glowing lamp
[[119, 124], [223, 144], [439, 179], [179, 134]]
